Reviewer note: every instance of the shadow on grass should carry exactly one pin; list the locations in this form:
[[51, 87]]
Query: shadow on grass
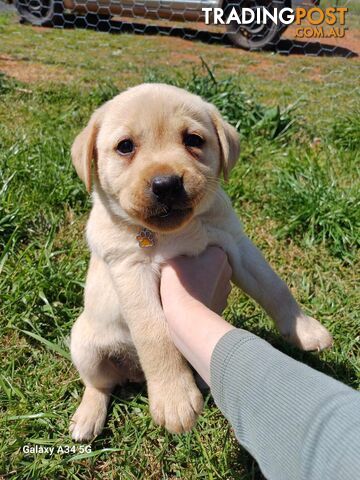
[[283, 46]]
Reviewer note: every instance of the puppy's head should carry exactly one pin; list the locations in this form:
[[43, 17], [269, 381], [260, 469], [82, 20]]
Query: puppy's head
[[158, 153]]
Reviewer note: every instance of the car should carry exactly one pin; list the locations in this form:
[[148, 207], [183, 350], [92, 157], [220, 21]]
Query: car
[[250, 36]]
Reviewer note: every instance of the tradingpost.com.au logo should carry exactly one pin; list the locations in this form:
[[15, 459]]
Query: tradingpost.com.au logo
[[313, 22]]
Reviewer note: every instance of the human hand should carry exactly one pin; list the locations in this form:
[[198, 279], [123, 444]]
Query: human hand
[[190, 288], [205, 278]]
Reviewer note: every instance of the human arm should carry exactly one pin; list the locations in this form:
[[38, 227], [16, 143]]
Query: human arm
[[297, 423], [194, 328]]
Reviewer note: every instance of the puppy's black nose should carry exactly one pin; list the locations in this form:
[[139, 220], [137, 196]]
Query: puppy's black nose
[[167, 187]]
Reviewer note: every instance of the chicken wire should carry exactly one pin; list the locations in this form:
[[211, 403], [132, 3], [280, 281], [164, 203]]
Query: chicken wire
[[185, 18]]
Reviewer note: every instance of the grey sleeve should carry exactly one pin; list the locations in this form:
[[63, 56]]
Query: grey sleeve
[[295, 421]]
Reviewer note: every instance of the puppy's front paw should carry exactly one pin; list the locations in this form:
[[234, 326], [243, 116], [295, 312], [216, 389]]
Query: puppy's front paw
[[89, 418], [175, 405], [308, 334]]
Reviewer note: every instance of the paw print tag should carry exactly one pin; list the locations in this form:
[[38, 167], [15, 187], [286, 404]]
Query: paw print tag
[[145, 238]]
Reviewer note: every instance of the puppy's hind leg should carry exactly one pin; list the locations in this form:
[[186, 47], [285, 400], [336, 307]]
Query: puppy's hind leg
[[99, 375]]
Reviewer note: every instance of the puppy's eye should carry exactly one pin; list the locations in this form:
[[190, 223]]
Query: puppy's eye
[[125, 147], [193, 141]]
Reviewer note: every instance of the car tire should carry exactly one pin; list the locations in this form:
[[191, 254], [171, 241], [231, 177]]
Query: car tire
[[255, 36], [40, 12]]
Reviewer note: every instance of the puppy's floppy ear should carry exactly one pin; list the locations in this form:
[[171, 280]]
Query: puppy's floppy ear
[[229, 142], [83, 150]]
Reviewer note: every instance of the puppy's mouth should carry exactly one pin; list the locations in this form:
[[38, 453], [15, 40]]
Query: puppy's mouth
[[168, 217]]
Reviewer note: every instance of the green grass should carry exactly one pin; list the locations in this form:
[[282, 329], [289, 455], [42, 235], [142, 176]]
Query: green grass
[[295, 188], [346, 131], [313, 205]]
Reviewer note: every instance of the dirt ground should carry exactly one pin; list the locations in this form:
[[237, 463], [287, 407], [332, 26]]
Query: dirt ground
[[29, 72]]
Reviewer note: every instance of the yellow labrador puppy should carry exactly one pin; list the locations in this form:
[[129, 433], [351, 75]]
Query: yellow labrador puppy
[[157, 153]]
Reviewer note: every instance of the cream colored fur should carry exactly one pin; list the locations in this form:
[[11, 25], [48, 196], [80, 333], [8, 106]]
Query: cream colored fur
[[122, 333]]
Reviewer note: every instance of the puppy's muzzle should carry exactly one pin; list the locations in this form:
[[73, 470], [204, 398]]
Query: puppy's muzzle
[[168, 189], [169, 203]]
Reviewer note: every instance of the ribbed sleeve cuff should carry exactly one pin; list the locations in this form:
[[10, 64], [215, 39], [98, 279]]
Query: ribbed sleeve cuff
[[222, 355]]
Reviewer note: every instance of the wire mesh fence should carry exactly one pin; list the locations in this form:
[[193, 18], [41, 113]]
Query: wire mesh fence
[[311, 27], [321, 87]]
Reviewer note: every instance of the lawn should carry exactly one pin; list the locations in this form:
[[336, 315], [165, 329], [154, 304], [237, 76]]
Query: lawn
[[295, 187]]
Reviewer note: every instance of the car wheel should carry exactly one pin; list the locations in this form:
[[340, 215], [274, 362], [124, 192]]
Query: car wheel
[[40, 12], [255, 36]]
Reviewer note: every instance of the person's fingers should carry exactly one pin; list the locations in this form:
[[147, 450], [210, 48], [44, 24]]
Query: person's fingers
[[213, 261], [225, 274], [221, 297], [217, 256], [206, 278], [216, 250], [228, 269], [220, 304]]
